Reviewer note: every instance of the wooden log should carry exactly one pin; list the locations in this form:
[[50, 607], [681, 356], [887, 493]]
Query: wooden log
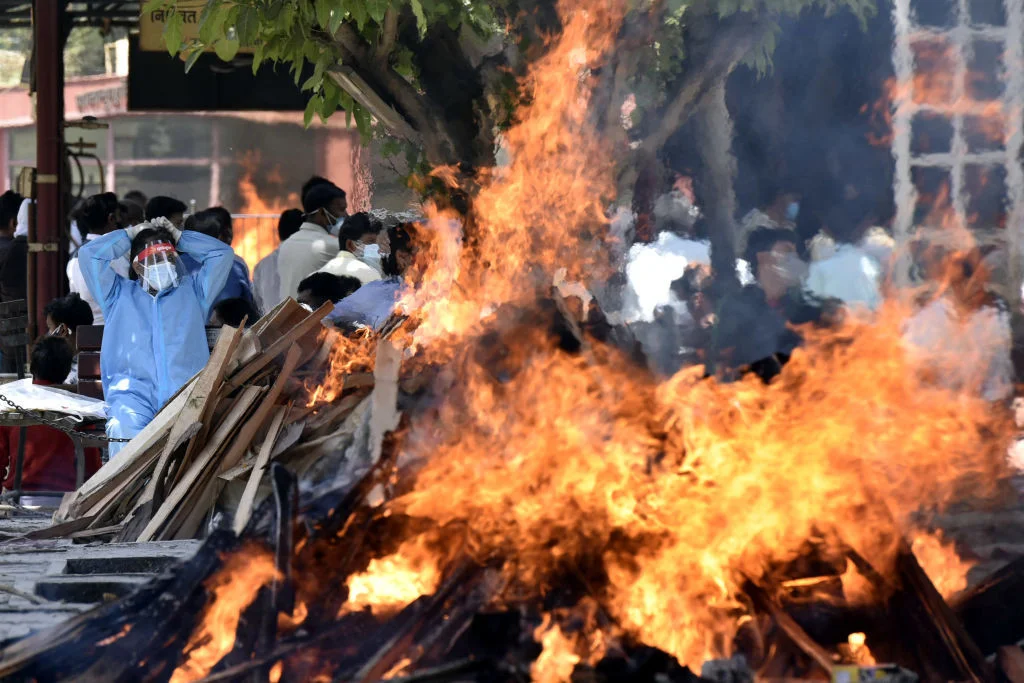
[[1011, 663], [764, 603], [993, 611], [186, 520], [108, 642], [259, 469], [136, 457], [224, 431], [312, 323]]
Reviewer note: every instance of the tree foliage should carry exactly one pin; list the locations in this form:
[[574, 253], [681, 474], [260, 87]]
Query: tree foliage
[[442, 73]]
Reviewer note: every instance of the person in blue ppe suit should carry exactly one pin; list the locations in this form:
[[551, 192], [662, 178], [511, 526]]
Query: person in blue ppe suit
[[154, 339]]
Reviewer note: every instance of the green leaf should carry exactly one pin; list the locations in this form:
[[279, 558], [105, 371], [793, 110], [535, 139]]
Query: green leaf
[[323, 13], [247, 25], [226, 49], [363, 121], [193, 57], [211, 25], [257, 58], [358, 11], [337, 16], [421, 18], [377, 9], [311, 107], [172, 33]]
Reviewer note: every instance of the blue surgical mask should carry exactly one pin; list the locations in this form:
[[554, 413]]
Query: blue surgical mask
[[160, 276], [792, 211], [370, 252]]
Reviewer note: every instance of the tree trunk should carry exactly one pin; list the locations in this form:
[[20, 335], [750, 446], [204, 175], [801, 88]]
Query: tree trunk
[[713, 136]]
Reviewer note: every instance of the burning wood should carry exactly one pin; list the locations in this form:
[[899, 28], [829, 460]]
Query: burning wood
[[542, 506]]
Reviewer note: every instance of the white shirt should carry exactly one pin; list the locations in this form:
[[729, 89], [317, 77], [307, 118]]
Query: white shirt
[[266, 282], [346, 263], [77, 283], [305, 252], [850, 275], [969, 352]]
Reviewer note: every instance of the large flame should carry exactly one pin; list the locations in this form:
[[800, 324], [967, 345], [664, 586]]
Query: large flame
[[232, 588], [677, 492], [256, 227]]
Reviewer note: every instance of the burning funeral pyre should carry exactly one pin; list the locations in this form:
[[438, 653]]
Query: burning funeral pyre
[[543, 508]]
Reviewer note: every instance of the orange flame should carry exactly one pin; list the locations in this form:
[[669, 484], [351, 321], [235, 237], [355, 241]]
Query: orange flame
[[392, 582], [939, 559], [934, 88], [256, 233], [558, 658], [544, 210], [232, 588], [349, 354]]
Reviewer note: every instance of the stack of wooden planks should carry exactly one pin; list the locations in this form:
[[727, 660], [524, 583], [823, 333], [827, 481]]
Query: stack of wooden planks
[[210, 447]]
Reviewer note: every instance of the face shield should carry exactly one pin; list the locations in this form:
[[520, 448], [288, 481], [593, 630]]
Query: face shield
[[158, 266]]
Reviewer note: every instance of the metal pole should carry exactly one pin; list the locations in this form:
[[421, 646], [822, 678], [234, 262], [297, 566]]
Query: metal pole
[[46, 248]]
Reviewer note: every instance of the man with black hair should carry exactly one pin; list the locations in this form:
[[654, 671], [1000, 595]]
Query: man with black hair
[[373, 303], [851, 274], [319, 288], [131, 213], [752, 326], [233, 312], [10, 203], [778, 208], [64, 315], [49, 460], [357, 241], [136, 197], [312, 247], [166, 207], [154, 339], [98, 215], [266, 281], [216, 222]]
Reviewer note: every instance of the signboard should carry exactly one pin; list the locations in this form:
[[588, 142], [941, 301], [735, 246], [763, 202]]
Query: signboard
[[151, 24]]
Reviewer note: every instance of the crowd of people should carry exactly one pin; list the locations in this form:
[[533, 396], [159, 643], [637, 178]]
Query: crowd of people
[[156, 277], [793, 276]]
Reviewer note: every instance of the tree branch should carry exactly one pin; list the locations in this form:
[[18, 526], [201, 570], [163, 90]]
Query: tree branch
[[729, 44], [388, 35]]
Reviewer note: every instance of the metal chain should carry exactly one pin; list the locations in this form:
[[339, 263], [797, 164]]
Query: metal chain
[[57, 424]]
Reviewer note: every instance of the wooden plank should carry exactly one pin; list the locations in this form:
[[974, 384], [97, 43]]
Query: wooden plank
[[310, 324], [130, 460], [763, 602], [990, 611], [203, 460], [1011, 663], [183, 522], [244, 510]]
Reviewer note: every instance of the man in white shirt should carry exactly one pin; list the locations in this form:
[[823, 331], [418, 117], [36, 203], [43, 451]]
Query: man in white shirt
[[266, 281], [99, 215], [850, 274], [313, 246], [358, 245]]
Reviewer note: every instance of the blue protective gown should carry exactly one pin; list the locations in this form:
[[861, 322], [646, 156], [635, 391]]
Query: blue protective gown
[[152, 345], [238, 286]]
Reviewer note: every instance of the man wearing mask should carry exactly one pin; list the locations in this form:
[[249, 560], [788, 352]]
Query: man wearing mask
[[99, 215], [358, 249], [752, 326], [313, 246], [154, 339], [850, 274], [266, 280]]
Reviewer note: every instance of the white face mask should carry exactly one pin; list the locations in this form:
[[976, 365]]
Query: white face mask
[[160, 276], [367, 252]]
